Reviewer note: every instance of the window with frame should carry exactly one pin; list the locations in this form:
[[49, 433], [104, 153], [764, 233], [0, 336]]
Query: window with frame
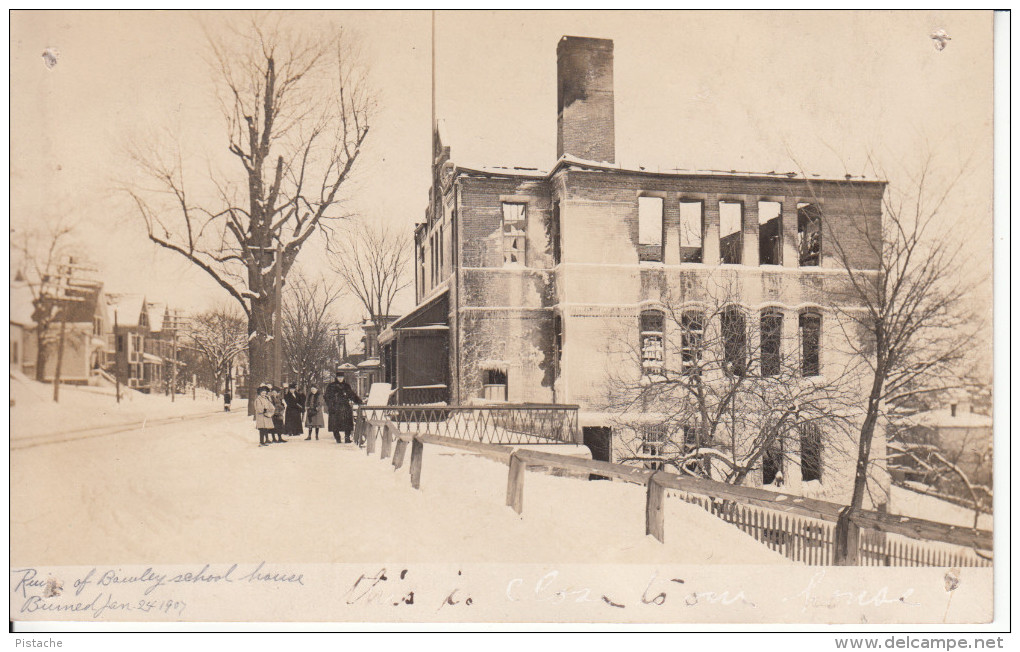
[[810, 343], [734, 335], [731, 218], [515, 218], [650, 229], [692, 228], [652, 343], [770, 233], [692, 339], [653, 441], [692, 443], [771, 342], [810, 452], [494, 385], [809, 234]]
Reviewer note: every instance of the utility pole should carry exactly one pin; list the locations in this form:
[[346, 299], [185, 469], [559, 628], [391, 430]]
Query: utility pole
[[60, 356], [173, 365], [277, 317], [116, 356], [64, 291]]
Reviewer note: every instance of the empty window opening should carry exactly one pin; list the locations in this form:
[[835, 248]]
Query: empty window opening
[[731, 214], [810, 343], [691, 231], [555, 234], [772, 464], [771, 342], [652, 349], [514, 223], [494, 384], [770, 233], [650, 229], [810, 452], [558, 336], [809, 234], [734, 332], [692, 335]]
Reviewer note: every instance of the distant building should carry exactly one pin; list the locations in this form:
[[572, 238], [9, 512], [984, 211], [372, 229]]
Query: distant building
[[523, 276], [85, 330], [142, 341], [960, 434], [365, 368]]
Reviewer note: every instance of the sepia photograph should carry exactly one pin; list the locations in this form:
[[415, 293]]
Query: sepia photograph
[[568, 318]]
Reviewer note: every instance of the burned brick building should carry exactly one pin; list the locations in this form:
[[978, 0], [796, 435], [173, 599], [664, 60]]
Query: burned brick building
[[527, 280]]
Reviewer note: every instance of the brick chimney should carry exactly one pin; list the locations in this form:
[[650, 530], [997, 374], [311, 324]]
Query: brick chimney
[[584, 99]]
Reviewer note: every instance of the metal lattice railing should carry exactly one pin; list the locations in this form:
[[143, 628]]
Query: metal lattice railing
[[491, 424]]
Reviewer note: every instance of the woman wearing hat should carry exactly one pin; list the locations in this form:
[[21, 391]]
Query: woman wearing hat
[[264, 411], [313, 417], [295, 402]]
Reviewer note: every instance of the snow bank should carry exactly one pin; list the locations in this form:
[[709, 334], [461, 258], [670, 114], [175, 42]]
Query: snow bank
[[904, 502], [205, 492], [82, 407]]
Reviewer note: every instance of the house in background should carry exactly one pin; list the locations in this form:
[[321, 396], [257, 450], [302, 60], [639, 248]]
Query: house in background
[[85, 337], [523, 277], [143, 342], [364, 368]]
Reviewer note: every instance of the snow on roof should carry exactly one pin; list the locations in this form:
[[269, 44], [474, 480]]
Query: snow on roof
[[568, 159], [347, 366], [128, 308], [371, 362], [155, 312], [21, 306], [944, 418]]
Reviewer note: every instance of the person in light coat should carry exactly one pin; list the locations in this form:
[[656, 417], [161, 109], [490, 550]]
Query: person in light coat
[[264, 412], [313, 417]]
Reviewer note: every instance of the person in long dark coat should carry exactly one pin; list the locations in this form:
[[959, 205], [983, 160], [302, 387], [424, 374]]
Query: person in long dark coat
[[295, 407], [338, 397], [276, 395]]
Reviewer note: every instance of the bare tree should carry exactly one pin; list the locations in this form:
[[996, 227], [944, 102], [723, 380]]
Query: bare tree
[[373, 262], [296, 109], [38, 253], [910, 311], [309, 330], [218, 336], [724, 393]]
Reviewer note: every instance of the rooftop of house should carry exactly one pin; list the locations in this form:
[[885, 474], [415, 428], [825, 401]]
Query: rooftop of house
[[128, 308]]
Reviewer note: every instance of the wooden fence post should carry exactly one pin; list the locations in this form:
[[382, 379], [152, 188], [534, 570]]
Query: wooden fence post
[[373, 431], [846, 540], [515, 483], [359, 427], [398, 453], [417, 451], [654, 516], [387, 442]]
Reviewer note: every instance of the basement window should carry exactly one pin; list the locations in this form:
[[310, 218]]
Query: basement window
[[691, 229], [731, 215], [650, 229], [494, 385], [772, 464], [514, 223], [809, 234], [652, 349], [770, 233]]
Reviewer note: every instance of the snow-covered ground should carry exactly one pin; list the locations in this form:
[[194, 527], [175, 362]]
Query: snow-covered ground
[[201, 490], [34, 414], [905, 502]]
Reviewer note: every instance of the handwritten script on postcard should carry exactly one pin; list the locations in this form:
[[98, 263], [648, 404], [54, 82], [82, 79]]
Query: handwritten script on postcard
[[355, 592]]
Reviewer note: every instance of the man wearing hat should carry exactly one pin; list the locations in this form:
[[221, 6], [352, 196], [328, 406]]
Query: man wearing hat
[[338, 398]]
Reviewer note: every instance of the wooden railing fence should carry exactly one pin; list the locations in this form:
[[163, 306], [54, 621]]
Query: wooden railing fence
[[802, 529]]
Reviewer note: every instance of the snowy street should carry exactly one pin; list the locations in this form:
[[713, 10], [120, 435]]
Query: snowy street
[[199, 488]]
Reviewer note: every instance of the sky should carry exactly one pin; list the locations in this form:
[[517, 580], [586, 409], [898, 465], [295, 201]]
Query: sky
[[746, 91]]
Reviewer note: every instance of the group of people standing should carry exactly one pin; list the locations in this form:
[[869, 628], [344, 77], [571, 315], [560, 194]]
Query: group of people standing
[[287, 412]]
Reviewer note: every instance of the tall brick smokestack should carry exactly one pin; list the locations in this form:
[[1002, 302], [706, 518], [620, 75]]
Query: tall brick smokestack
[[584, 99]]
